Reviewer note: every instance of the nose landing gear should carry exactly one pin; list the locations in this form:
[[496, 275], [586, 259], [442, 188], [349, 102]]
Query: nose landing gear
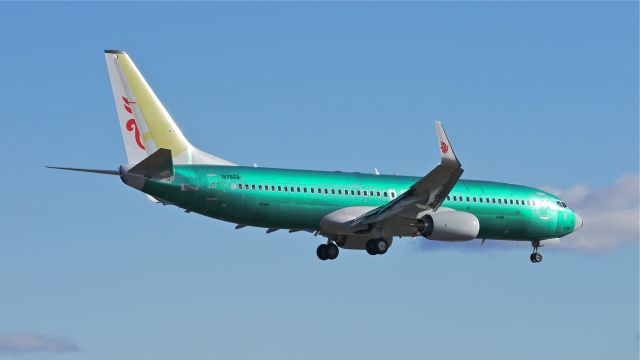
[[535, 256]]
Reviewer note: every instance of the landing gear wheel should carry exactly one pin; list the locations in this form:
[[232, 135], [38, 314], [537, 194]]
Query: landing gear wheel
[[380, 246], [377, 246], [327, 251], [332, 251], [537, 257], [322, 252], [370, 248]]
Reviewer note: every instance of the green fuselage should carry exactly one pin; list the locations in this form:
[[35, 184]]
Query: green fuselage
[[298, 199]]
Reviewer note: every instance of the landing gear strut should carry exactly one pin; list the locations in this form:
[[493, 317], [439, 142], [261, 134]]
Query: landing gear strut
[[377, 246], [535, 256], [327, 251]]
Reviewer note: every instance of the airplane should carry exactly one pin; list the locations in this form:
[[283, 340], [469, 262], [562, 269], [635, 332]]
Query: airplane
[[351, 210]]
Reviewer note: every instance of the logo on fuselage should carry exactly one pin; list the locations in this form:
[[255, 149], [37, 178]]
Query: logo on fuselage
[[444, 147], [131, 123]]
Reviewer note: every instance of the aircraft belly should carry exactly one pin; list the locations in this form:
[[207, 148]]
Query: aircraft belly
[[269, 213], [503, 226]]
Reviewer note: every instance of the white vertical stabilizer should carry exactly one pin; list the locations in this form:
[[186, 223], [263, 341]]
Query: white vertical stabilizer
[[145, 123]]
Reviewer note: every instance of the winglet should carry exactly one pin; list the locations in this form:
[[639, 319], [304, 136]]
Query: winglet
[[446, 151]]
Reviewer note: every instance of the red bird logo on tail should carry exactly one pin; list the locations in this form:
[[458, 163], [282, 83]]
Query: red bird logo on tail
[[131, 123], [444, 147]]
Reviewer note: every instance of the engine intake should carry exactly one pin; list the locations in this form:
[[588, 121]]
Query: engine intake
[[449, 226]]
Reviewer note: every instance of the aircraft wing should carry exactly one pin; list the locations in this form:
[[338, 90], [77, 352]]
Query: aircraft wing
[[428, 193]]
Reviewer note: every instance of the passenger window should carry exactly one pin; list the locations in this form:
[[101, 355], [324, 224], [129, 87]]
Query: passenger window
[[385, 194], [493, 200], [480, 199], [487, 200], [259, 187], [468, 199], [298, 188], [499, 201], [279, 188], [474, 199], [312, 190], [364, 193], [358, 192], [339, 192], [253, 187], [305, 190], [325, 191], [533, 202], [286, 189], [352, 192], [319, 191], [511, 202], [505, 201], [346, 192], [370, 193], [448, 198], [333, 191], [378, 193], [240, 186]]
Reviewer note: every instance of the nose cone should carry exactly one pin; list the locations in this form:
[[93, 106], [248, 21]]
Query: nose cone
[[578, 223]]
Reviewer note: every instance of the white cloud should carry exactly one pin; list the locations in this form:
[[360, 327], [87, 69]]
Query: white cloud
[[611, 214], [19, 343]]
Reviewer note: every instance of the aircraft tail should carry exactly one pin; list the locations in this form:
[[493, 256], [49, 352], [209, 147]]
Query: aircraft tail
[[145, 123]]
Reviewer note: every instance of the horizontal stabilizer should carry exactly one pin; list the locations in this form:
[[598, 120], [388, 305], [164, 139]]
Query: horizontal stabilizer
[[95, 171], [158, 165]]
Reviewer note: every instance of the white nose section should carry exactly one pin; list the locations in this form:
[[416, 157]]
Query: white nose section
[[579, 223]]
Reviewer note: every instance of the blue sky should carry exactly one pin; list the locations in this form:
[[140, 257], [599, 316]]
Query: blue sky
[[543, 94]]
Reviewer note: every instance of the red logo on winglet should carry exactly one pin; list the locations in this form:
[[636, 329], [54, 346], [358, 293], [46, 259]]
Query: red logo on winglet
[[131, 123], [444, 147]]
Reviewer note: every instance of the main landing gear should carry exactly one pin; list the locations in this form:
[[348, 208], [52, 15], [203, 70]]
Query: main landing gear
[[377, 246], [327, 251], [535, 256]]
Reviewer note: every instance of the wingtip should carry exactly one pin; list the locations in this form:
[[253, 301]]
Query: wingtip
[[446, 150], [114, 52]]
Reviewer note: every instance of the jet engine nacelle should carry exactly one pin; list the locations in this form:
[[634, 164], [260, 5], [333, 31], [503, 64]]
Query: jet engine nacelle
[[449, 226]]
